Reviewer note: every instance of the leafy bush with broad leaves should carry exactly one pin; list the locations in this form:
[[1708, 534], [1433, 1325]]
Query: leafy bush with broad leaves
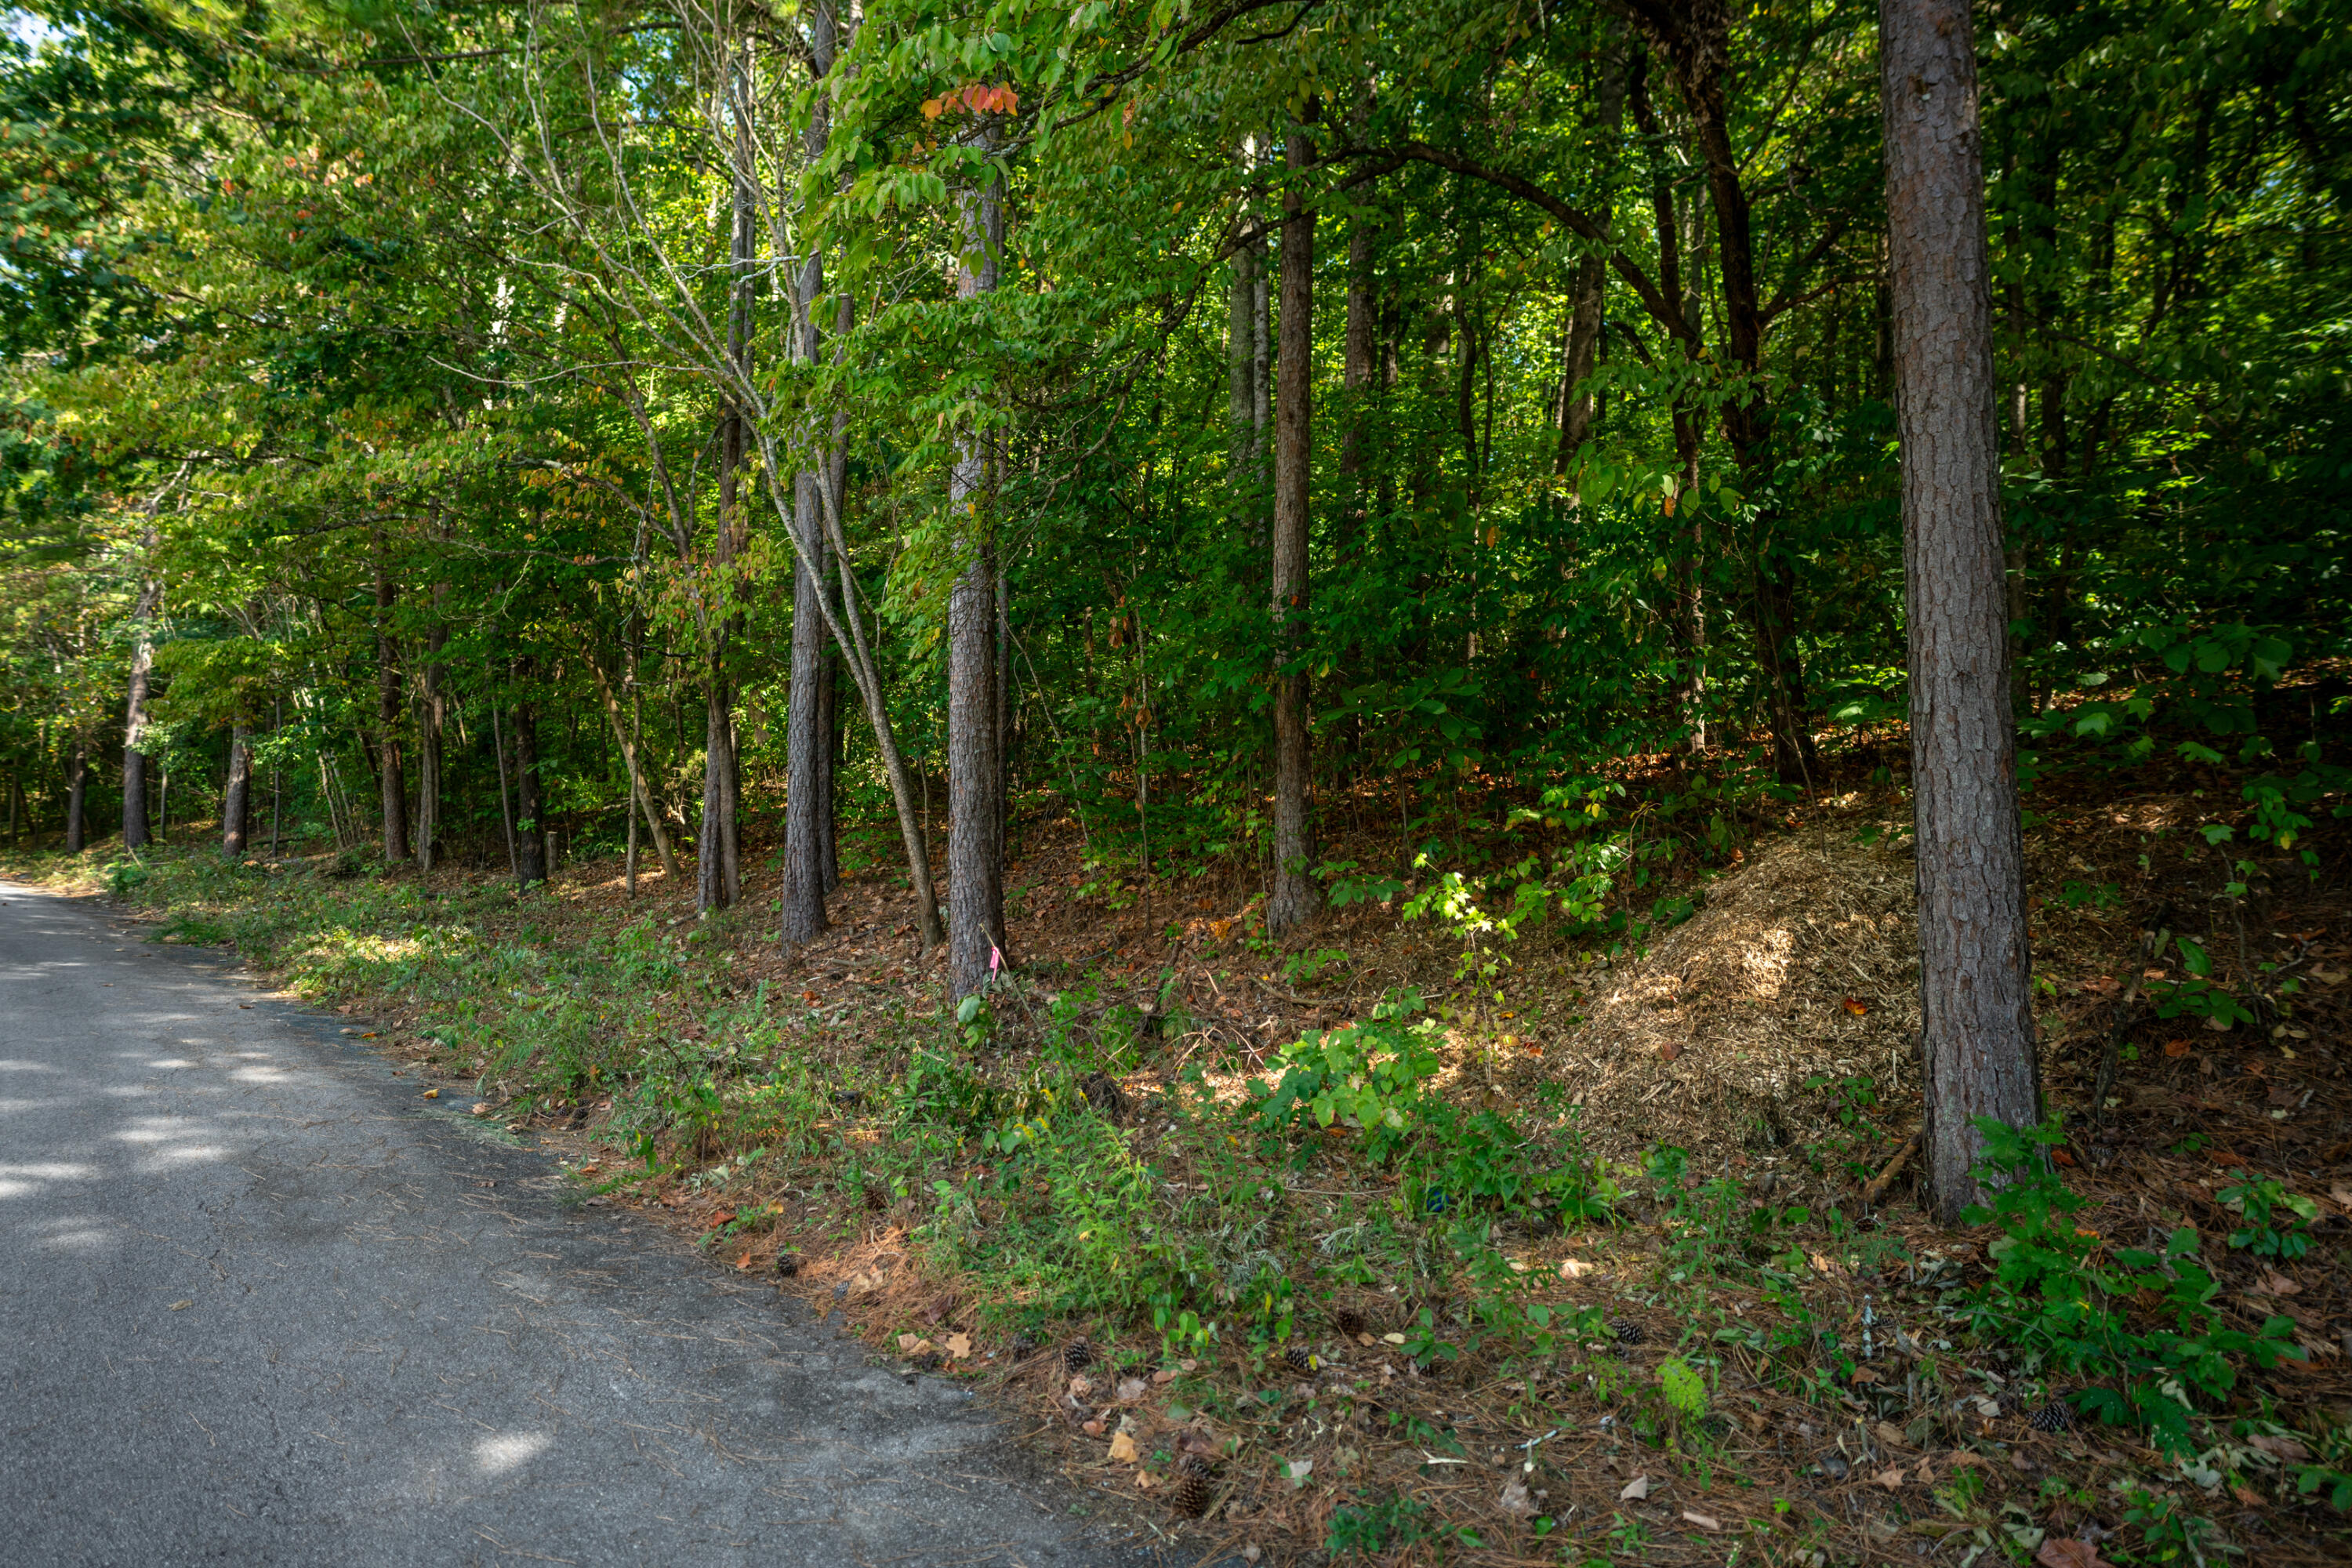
[[1368, 1076], [2061, 1296]]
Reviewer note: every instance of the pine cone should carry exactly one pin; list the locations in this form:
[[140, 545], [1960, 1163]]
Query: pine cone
[[788, 1264], [1077, 1355], [1025, 1345], [1348, 1322], [1190, 1497], [1626, 1334], [2054, 1417], [1298, 1359]]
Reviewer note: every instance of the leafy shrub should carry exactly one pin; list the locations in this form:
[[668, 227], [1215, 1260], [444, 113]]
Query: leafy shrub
[[2060, 1296], [1368, 1075]]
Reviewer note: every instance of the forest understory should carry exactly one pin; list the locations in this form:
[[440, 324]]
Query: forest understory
[[1404, 1242]]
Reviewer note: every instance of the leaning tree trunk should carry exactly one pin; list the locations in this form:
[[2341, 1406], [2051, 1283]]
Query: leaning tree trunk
[[975, 776], [134, 719], [1975, 990], [237, 798], [1296, 895], [393, 789], [76, 795]]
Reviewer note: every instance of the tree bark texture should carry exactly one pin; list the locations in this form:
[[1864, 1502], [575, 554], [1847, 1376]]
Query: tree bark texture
[[134, 719], [76, 798], [237, 797], [1976, 996], [1296, 895], [976, 774], [394, 788], [808, 744], [432, 711]]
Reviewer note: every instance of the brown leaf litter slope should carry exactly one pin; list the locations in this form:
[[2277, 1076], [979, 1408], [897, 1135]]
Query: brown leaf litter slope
[[1802, 962]]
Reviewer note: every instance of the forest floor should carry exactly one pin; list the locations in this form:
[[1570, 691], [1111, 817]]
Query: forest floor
[[1607, 1252]]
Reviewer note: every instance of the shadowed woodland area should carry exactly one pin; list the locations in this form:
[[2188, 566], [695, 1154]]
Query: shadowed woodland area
[[1545, 781]]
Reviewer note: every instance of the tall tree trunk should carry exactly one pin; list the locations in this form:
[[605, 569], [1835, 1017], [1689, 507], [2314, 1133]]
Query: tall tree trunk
[[808, 782], [1975, 980], [1296, 895], [530, 830], [719, 879], [976, 774], [237, 798], [135, 718], [1577, 409], [76, 796], [432, 713], [394, 789]]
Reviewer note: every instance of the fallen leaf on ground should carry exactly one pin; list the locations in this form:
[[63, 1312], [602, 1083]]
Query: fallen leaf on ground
[[182, 1306], [1855, 1006], [2065, 1552], [1165, 1376], [1635, 1489], [1122, 1447], [2287, 1448], [1574, 1267], [1891, 1479], [482, 1108], [1515, 1500], [1091, 1428], [744, 1261], [1132, 1389], [1299, 1471], [432, 1094], [2247, 1494], [2176, 1047], [1889, 1434], [1702, 1521], [958, 1345], [2275, 1283]]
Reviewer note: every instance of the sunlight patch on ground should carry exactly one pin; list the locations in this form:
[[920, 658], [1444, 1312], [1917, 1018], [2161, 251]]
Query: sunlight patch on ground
[[504, 1451]]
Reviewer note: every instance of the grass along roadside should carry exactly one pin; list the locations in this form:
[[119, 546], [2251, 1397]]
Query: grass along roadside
[[1349, 1295]]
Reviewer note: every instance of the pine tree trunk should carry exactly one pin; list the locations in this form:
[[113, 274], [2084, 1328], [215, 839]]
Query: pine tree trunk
[[1975, 979], [640, 796], [1296, 895], [975, 776], [76, 796], [134, 719], [237, 798], [394, 788]]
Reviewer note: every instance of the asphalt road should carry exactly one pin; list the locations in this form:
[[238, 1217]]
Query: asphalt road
[[262, 1303]]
